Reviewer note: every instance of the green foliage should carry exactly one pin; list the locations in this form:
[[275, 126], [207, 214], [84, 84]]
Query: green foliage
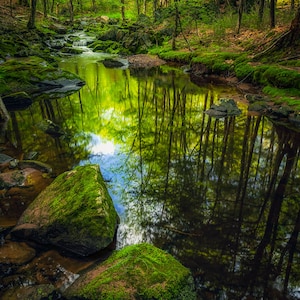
[[218, 62]]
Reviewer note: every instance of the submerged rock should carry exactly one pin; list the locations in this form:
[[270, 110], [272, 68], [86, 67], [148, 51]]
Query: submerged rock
[[51, 128], [136, 272], [74, 213], [113, 63], [227, 107]]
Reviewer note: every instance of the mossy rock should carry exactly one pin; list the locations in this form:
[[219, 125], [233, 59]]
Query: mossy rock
[[136, 272], [33, 75], [74, 213]]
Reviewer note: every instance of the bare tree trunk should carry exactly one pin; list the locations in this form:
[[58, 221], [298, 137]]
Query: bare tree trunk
[[240, 15], [261, 10], [175, 27], [31, 22], [295, 27], [45, 6], [123, 10], [71, 8], [272, 13]]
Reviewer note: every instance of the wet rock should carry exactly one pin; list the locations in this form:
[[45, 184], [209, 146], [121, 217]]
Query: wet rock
[[37, 292], [12, 253], [17, 101], [51, 128], [4, 160], [280, 112], [294, 118], [259, 106], [36, 76], [74, 213], [38, 165], [227, 107], [136, 272], [255, 98], [18, 188], [60, 29], [113, 63]]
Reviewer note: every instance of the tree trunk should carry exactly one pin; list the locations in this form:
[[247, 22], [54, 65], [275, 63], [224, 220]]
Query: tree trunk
[[272, 13], [240, 15], [261, 10], [123, 10], [294, 28], [71, 9], [31, 22], [175, 27], [45, 8]]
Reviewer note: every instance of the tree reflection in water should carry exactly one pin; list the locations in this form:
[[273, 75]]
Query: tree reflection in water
[[225, 203], [221, 195]]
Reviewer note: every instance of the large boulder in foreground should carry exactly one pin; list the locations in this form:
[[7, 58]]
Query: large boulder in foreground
[[135, 272], [75, 213]]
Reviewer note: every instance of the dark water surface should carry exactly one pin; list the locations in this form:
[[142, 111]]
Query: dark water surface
[[221, 195]]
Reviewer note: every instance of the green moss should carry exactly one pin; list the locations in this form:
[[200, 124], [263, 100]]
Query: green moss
[[177, 56], [140, 272], [24, 73], [219, 62], [73, 197], [289, 96], [282, 77]]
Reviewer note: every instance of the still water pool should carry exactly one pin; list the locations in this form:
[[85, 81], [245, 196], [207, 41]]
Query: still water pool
[[219, 194]]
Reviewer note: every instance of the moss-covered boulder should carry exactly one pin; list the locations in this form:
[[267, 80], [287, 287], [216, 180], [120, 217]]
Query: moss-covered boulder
[[75, 213], [33, 75], [135, 272]]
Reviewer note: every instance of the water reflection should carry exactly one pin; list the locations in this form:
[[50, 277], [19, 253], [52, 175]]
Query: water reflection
[[219, 194]]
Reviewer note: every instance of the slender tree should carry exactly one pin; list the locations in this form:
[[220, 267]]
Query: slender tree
[[272, 13], [31, 22], [71, 9], [261, 10]]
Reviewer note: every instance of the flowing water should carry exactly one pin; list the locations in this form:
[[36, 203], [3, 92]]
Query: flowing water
[[219, 194]]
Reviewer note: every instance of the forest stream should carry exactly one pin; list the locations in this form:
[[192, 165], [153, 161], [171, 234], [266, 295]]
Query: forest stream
[[219, 194]]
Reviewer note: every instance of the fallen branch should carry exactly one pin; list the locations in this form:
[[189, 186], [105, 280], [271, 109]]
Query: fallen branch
[[275, 43]]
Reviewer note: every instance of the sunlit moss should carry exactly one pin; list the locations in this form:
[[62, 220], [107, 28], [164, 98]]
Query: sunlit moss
[[137, 272]]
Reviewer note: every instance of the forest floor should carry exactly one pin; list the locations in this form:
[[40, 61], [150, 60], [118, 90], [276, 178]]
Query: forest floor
[[15, 20], [250, 41]]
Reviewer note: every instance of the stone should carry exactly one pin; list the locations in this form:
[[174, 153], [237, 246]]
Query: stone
[[42, 291], [15, 253], [140, 271], [17, 101], [75, 213], [225, 108], [112, 63]]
